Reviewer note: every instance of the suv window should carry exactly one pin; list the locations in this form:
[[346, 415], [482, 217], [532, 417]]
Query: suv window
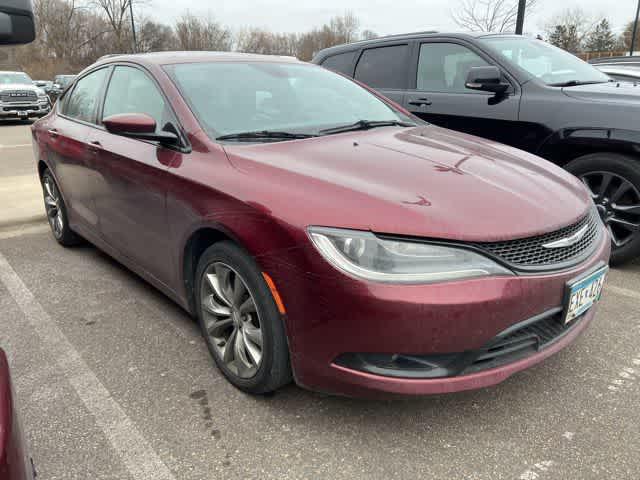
[[81, 104], [132, 91], [343, 62], [383, 67], [443, 67]]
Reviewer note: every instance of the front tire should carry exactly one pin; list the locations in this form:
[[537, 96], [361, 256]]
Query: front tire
[[57, 212], [614, 182], [240, 321]]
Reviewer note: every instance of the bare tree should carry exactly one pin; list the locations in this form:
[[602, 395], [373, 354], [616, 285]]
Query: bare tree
[[570, 29], [116, 13], [196, 33], [154, 37], [489, 15]]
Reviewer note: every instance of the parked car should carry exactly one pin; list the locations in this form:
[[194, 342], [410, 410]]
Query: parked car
[[60, 83], [621, 73], [522, 92], [15, 463], [20, 98], [317, 230], [45, 85], [629, 61]]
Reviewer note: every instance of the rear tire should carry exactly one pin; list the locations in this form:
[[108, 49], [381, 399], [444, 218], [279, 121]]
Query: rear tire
[[236, 309], [56, 211], [614, 182]]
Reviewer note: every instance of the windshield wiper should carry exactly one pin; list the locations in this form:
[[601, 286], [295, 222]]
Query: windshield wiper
[[574, 83], [366, 125], [265, 135]]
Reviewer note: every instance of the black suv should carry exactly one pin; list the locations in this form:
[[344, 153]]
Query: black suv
[[522, 92]]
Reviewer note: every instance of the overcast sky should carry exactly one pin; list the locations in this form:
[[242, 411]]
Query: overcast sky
[[381, 16]]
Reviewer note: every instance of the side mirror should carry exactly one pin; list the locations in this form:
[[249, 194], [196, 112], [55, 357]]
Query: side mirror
[[138, 125], [16, 22], [487, 79]]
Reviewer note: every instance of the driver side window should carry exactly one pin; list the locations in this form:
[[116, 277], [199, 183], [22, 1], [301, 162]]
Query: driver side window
[[443, 67], [132, 91]]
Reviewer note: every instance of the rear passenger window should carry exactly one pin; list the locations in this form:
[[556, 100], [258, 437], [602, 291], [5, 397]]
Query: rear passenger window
[[384, 67], [343, 63], [81, 104]]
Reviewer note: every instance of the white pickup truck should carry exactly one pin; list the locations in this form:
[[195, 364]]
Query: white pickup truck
[[20, 98]]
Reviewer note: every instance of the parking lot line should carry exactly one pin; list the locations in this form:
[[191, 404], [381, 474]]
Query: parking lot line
[[19, 145], [136, 453]]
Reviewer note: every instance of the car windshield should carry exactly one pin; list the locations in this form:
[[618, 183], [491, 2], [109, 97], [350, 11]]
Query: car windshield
[[7, 78], [550, 64], [231, 97]]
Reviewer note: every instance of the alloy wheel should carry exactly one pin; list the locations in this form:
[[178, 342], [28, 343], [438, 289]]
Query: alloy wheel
[[52, 206], [231, 320], [618, 203]]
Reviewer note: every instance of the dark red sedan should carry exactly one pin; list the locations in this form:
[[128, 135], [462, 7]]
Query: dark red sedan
[[317, 230], [15, 463]]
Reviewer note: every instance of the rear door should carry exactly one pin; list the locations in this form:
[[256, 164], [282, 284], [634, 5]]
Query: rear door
[[68, 149], [438, 94], [385, 68], [132, 177]]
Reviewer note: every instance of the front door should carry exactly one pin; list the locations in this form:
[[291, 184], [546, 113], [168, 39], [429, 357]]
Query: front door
[[439, 95], [132, 177]]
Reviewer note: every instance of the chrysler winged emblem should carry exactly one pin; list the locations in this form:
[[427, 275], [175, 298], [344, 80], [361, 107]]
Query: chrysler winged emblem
[[567, 241]]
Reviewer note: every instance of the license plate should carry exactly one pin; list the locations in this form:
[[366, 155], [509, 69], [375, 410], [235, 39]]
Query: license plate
[[22, 114], [583, 293]]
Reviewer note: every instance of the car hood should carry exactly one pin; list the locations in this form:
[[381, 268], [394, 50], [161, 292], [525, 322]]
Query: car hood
[[19, 86], [424, 181], [611, 92]]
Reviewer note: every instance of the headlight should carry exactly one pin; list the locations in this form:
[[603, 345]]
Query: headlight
[[364, 255]]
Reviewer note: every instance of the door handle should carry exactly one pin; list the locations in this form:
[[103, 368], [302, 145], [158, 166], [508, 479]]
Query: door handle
[[420, 101], [53, 132], [95, 146]]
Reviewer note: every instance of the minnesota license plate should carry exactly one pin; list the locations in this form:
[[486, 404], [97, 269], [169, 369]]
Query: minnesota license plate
[[583, 293]]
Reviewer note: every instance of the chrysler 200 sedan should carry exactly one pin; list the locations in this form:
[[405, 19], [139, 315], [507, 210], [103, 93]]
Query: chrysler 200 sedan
[[317, 230]]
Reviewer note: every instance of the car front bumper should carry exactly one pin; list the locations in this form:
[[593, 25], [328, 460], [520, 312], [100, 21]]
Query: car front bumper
[[330, 315]]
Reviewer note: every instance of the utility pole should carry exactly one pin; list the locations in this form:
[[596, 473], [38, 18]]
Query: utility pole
[[133, 26], [635, 30], [522, 5]]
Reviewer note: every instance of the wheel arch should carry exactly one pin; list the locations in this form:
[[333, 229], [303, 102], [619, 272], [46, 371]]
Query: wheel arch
[[570, 143], [200, 238]]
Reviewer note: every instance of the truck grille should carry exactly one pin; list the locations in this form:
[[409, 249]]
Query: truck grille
[[16, 96], [529, 252]]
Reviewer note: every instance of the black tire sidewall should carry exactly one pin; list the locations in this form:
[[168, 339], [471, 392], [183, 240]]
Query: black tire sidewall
[[274, 368], [68, 237], [624, 166]]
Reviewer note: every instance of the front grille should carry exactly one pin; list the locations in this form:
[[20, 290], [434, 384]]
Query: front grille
[[18, 96], [19, 108], [530, 338], [529, 252]]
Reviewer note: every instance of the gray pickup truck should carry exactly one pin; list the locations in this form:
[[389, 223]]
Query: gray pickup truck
[[20, 98]]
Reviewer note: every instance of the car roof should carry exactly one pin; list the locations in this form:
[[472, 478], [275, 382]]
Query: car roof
[[409, 36], [168, 58], [10, 71]]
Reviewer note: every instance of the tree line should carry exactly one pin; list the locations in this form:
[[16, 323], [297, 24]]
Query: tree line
[[71, 36], [572, 29]]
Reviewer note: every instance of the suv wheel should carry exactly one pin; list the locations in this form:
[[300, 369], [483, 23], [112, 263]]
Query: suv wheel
[[614, 182], [240, 320]]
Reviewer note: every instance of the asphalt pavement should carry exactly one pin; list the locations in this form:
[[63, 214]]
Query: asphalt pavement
[[113, 381]]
